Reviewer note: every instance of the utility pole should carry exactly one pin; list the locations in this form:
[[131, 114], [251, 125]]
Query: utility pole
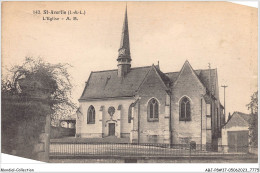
[[210, 87], [224, 86]]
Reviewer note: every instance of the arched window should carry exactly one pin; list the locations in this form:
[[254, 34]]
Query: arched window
[[91, 115], [185, 113], [130, 113], [153, 110]]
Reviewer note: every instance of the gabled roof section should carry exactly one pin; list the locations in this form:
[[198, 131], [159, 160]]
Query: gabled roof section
[[209, 78], [238, 119], [187, 64], [246, 117], [106, 84], [164, 79], [202, 75]]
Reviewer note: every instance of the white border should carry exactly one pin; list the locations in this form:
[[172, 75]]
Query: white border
[[14, 162]]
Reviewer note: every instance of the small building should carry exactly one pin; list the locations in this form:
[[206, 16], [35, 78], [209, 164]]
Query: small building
[[235, 133], [69, 122]]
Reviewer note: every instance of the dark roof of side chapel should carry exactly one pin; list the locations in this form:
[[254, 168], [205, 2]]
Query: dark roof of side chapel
[[163, 76], [204, 77], [172, 76], [106, 84]]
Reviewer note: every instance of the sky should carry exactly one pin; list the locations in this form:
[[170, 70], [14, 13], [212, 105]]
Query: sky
[[223, 34]]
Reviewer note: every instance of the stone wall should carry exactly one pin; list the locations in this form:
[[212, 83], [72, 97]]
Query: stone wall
[[153, 131], [25, 134], [42, 147], [188, 85]]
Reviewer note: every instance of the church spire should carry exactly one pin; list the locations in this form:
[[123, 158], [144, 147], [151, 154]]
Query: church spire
[[124, 44], [124, 57]]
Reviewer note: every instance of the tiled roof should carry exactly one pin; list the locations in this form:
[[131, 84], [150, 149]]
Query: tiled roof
[[163, 76], [246, 117], [172, 76], [204, 77], [238, 119], [106, 84]]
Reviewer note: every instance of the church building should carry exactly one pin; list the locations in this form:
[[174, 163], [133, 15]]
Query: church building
[[146, 105]]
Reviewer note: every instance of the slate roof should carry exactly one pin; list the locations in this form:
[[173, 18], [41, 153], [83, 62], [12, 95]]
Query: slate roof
[[204, 77], [163, 76], [106, 84], [238, 119], [172, 76], [246, 117]]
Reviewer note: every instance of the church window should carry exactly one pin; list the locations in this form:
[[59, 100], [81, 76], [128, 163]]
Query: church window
[[208, 110], [153, 110], [185, 113], [208, 123], [91, 115], [130, 113]]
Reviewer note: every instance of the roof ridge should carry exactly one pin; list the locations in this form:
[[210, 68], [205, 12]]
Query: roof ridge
[[117, 69], [242, 113], [186, 63], [241, 116], [103, 71], [141, 67], [148, 67], [172, 72], [157, 71], [162, 75], [194, 70]]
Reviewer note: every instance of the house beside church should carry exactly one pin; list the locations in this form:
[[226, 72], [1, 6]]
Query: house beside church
[[68, 122], [236, 133], [147, 105]]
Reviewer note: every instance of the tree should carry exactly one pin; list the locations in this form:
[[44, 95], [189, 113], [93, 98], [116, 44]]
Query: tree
[[253, 122], [30, 92], [54, 77]]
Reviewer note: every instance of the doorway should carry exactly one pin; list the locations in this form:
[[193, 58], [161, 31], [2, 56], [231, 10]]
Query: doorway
[[111, 129], [238, 141]]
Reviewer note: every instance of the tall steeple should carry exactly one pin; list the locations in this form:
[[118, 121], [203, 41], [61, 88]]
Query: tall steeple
[[124, 57]]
